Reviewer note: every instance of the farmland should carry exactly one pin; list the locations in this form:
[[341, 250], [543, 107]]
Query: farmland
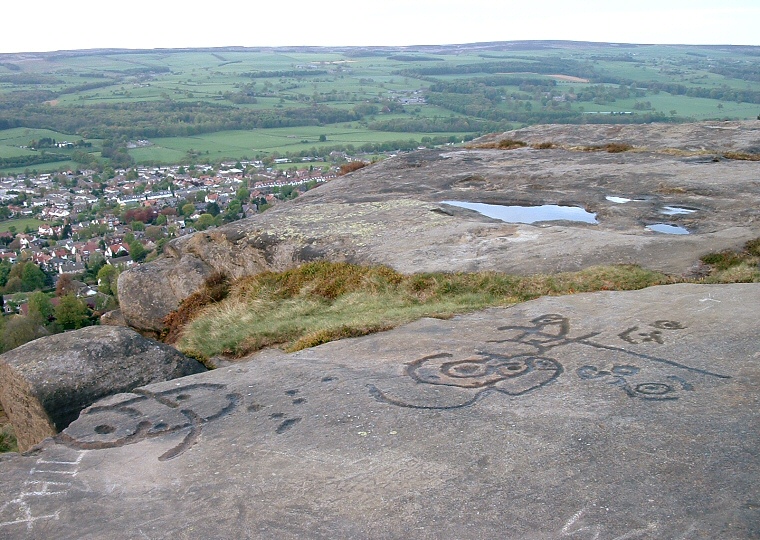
[[123, 107]]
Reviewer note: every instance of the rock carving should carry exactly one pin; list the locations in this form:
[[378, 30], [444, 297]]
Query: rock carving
[[150, 414], [524, 363]]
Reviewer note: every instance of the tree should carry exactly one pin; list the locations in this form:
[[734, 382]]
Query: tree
[[188, 209], [137, 251], [154, 232], [204, 222], [93, 266], [243, 195], [107, 279], [65, 286], [32, 278], [5, 270], [13, 285], [19, 330], [40, 307], [213, 209], [71, 313]]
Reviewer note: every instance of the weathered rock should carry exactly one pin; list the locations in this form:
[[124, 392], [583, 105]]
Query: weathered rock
[[392, 213], [150, 292], [613, 415], [47, 382], [113, 318]]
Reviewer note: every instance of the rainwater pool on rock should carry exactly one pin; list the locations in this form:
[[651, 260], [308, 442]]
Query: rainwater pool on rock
[[676, 210], [529, 214], [617, 200], [667, 229]]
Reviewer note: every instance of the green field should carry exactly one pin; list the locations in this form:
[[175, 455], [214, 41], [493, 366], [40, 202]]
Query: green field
[[221, 103], [20, 224], [261, 143]]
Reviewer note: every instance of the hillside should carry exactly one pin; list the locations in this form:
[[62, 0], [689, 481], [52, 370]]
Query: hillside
[[192, 105]]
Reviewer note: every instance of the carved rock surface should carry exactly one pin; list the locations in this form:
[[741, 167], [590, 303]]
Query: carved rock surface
[[610, 415], [44, 384], [393, 213]]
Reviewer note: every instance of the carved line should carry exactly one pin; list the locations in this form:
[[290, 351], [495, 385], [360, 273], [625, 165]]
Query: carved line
[[655, 359], [190, 439], [378, 394]]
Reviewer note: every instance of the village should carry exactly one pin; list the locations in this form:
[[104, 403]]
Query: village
[[89, 220]]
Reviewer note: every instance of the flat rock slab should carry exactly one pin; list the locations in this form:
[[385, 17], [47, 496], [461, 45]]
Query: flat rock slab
[[615, 415]]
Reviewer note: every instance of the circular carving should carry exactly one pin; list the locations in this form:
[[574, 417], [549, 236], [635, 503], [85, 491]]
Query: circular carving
[[668, 325], [104, 429], [465, 369], [654, 389], [511, 369]]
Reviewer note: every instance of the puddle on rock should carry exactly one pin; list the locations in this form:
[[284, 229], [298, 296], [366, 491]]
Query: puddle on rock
[[528, 214], [617, 200], [676, 210], [667, 229]]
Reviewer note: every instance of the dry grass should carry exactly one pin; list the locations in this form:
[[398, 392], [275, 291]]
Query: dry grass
[[735, 266], [612, 148], [322, 301], [215, 289], [7, 436], [351, 167], [503, 144], [543, 145], [742, 156]]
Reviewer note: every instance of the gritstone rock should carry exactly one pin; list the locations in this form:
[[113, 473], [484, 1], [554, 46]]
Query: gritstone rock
[[610, 415], [47, 382]]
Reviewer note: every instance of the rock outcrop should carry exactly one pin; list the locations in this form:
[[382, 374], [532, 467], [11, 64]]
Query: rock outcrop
[[395, 213], [45, 384], [610, 415]]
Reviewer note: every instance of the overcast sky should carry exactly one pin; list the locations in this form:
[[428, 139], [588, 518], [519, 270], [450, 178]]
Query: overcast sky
[[47, 25]]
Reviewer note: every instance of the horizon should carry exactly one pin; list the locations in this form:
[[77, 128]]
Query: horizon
[[254, 48], [143, 25]]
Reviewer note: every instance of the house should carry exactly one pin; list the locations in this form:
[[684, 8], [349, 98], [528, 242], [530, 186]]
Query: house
[[117, 250], [121, 262], [71, 267], [9, 256]]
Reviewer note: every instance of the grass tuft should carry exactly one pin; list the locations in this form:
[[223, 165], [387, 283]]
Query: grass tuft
[[742, 156], [351, 167], [753, 247], [543, 145], [612, 148], [723, 260], [503, 144], [7, 439]]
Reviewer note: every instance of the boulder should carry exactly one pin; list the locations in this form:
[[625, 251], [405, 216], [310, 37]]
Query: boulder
[[44, 384], [149, 292], [113, 318]]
